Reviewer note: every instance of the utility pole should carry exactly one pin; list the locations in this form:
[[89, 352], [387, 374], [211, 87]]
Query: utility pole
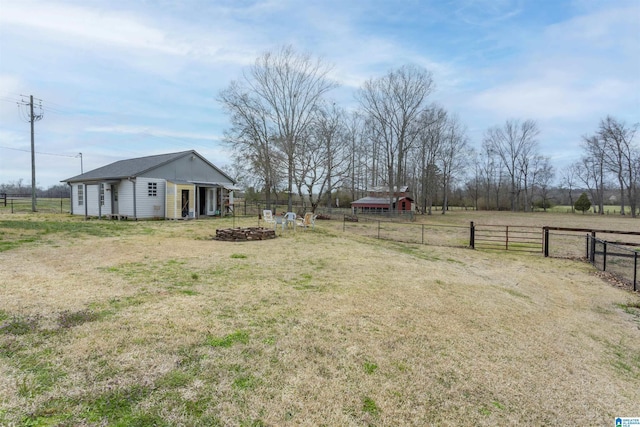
[[32, 118]]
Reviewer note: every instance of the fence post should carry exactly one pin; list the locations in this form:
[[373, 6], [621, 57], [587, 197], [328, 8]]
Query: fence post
[[506, 238], [586, 249], [635, 270], [546, 242], [604, 255], [11, 205], [472, 235], [592, 258]]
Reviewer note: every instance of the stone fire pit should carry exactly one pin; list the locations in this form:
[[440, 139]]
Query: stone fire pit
[[241, 234]]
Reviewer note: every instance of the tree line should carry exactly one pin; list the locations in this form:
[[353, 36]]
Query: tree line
[[610, 159], [18, 188], [287, 135]]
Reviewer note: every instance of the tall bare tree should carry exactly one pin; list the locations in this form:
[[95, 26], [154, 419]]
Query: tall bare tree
[[491, 173], [251, 136], [452, 156], [568, 181], [472, 186], [593, 169], [393, 104], [357, 141], [431, 134], [544, 174], [619, 155], [514, 143], [323, 158], [286, 87]]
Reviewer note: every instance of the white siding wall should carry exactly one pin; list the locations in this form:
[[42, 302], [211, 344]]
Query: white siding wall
[[106, 208], [146, 206], [91, 199], [75, 208], [150, 206], [125, 198]]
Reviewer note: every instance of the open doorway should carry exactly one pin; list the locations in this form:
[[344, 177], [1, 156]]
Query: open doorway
[[185, 203]]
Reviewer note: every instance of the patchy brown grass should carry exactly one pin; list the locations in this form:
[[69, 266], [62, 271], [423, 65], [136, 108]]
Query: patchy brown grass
[[156, 323]]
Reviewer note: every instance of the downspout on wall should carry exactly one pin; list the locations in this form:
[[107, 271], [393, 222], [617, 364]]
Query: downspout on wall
[[70, 197], [135, 213]]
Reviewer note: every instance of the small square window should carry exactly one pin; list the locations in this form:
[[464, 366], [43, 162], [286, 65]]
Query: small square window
[[152, 188]]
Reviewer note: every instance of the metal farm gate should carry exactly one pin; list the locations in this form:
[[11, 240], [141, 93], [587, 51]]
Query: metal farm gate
[[507, 237]]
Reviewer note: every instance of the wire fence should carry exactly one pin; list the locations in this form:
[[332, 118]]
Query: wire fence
[[407, 232], [11, 204], [622, 261], [618, 258]]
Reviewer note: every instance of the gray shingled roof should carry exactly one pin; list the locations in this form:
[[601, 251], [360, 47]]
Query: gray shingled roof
[[372, 201], [375, 200], [128, 168]]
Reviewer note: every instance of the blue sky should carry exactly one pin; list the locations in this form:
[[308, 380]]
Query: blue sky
[[127, 78]]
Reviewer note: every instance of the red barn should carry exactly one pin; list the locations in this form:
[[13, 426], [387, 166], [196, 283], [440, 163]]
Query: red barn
[[378, 201]]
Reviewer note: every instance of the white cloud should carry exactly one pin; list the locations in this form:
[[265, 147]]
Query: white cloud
[[577, 68], [486, 12], [101, 28], [143, 130], [548, 100], [82, 24]]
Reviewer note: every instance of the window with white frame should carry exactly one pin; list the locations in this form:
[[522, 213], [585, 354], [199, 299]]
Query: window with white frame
[[152, 188], [80, 195], [101, 194]]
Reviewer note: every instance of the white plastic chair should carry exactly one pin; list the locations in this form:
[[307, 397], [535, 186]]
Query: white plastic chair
[[289, 219], [267, 215]]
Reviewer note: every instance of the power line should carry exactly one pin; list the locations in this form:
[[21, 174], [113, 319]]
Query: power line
[[39, 152]]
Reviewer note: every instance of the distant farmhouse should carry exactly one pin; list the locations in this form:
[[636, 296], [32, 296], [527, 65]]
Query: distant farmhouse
[[171, 186], [378, 201]]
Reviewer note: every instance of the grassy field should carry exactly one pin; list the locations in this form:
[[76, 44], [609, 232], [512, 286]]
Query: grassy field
[[153, 323]]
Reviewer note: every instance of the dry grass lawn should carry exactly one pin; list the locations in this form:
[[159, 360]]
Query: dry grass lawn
[[154, 323]]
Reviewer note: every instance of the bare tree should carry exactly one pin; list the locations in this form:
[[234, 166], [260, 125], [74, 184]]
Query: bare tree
[[452, 156], [393, 104], [472, 185], [356, 169], [529, 166], [432, 127], [514, 143], [619, 154], [543, 177], [284, 87], [636, 175], [491, 173], [323, 158], [568, 181], [251, 136], [310, 175], [592, 172]]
